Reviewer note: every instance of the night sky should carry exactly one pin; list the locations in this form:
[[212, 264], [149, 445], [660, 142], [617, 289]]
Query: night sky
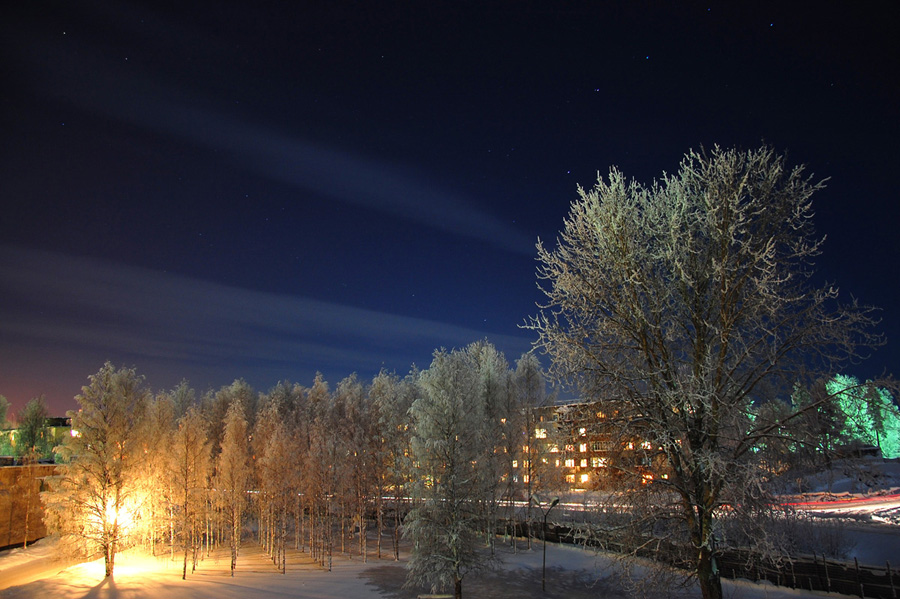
[[263, 190]]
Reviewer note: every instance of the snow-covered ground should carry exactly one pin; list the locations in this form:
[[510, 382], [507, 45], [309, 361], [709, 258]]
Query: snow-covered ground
[[867, 506], [862, 496], [572, 573]]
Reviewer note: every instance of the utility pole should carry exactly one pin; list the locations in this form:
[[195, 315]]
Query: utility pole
[[544, 513]]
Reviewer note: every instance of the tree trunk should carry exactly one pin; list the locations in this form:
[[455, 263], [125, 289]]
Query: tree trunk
[[708, 574], [110, 554], [707, 570], [379, 511]]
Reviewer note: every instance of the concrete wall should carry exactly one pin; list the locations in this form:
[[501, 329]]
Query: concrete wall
[[19, 489]]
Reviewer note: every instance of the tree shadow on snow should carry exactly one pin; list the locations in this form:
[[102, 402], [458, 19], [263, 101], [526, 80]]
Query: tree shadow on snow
[[519, 583]]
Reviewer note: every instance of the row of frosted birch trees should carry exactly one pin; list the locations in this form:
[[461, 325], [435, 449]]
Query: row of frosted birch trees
[[315, 469]]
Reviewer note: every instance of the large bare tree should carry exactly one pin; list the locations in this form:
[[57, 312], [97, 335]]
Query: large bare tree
[[688, 302]]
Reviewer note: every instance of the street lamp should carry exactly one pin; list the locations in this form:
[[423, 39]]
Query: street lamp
[[545, 513]]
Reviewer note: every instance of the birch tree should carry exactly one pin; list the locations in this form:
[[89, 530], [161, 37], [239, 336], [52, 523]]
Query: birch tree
[[530, 391], [683, 303], [278, 476], [359, 430], [498, 441], [156, 484], [391, 398], [189, 468], [233, 474], [320, 468], [94, 497]]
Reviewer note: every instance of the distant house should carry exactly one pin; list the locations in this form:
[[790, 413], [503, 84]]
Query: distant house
[[52, 434]]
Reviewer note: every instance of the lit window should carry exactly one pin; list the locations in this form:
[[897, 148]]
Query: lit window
[[524, 449], [570, 448], [515, 463], [582, 448], [570, 463], [600, 415], [646, 445], [646, 479], [557, 463], [570, 478], [525, 478], [582, 431], [585, 478], [584, 463], [540, 433], [554, 449], [630, 445]]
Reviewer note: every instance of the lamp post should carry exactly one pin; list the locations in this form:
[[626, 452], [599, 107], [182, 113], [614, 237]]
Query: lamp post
[[545, 513]]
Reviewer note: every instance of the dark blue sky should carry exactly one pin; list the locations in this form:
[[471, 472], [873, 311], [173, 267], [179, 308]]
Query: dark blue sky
[[263, 190]]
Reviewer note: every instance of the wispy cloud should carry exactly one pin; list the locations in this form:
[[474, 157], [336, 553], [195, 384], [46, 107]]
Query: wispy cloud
[[62, 310], [112, 89]]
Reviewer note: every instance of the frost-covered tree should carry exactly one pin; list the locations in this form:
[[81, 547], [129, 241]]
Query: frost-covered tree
[[93, 499], [277, 474], [320, 468], [183, 398], [361, 436], [232, 475], [530, 392], [448, 447], [291, 406], [499, 440], [216, 406], [391, 398], [685, 301], [156, 485], [189, 469]]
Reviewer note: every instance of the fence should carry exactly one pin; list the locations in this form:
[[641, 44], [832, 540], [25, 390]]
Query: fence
[[813, 573]]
